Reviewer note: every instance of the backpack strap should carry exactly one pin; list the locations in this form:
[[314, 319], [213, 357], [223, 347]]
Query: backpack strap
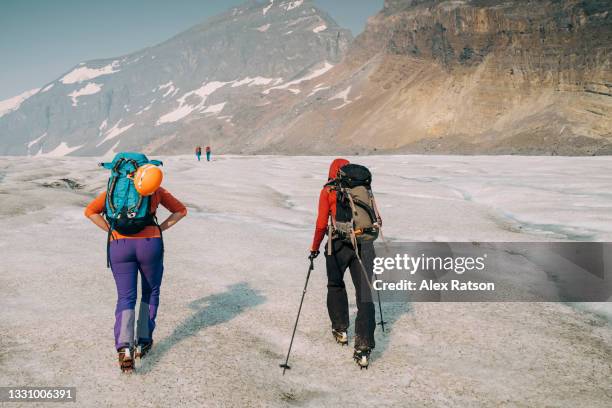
[[351, 202], [110, 165], [379, 221], [108, 242], [375, 206], [354, 211], [331, 223], [113, 183], [137, 205], [109, 195], [330, 233], [161, 233], [107, 166], [368, 209], [109, 200]]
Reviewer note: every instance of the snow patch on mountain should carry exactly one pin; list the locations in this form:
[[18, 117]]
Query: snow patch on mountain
[[171, 90], [89, 89], [135, 60], [292, 5], [185, 109], [314, 74], [320, 28], [298, 21], [344, 96], [150, 105], [263, 28], [33, 142], [204, 91], [84, 73], [143, 110], [46, 88], [62, 150], [318, 88], [256, 81], [268, 7], [11, 104], [115, 131], [176, 115], [167, 85], [112, 151], [215, 109]]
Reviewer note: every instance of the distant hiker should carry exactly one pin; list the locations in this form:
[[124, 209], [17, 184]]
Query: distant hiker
[[134, 243], [208, 153], [198, 152], [350, 245]]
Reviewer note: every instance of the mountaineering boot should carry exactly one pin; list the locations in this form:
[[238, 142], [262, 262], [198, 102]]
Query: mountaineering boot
[[143, 349], [126, 360], [340, 336], [362, 358]]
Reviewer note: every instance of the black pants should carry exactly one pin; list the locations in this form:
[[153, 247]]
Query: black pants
[[343, 256]]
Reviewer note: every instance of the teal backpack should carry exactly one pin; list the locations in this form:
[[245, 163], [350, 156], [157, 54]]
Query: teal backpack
[[126, 211]]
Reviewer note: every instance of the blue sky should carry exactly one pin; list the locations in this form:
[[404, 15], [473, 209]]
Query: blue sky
[[41, 39]]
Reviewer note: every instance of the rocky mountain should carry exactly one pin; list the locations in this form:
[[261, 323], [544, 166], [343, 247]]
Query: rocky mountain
[[206, 85], [453, 76], [471, 76]]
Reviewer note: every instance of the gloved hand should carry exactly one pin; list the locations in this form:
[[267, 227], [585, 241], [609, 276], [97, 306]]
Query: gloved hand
[[313, 255]]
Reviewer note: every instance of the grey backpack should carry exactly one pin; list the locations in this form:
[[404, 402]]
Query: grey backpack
[[357, 219]]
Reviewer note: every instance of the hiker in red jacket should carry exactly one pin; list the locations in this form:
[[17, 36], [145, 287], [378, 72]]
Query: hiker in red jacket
[[208, 153], [342, 256]]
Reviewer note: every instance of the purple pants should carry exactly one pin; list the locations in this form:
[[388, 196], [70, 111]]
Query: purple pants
[[128, 256]]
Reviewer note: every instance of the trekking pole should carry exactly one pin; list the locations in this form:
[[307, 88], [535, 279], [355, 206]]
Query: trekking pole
[[382, 321], [286, 365]]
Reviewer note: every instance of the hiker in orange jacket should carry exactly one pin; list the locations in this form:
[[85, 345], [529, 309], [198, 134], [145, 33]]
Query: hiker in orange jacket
[[343, 255]]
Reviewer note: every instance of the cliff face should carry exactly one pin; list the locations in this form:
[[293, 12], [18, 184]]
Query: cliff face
[[544, 37], [481, 76]]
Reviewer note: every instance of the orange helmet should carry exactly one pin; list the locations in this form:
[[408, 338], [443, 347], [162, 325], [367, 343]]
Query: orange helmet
[[147, 179]]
